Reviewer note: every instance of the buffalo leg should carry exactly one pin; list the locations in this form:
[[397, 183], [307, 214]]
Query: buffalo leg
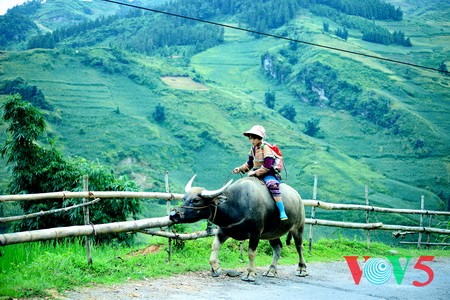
[[298, 239], [276, 247], [252, 246], [219, 239]]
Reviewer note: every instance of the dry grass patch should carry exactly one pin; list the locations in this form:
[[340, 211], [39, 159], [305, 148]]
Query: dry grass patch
[[183, 83]]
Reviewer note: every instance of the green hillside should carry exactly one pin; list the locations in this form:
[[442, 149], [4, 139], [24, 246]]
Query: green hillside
[[104, 98]]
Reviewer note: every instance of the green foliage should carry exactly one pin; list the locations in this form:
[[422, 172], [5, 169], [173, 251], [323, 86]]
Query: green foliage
[[133, 32], [276, 67], [109, 61], [324, 88], [269, 99], [265, 15], [46, 41], [26, 125], [342, 33], [369, 9], [288, 111], [312, 127], [16, 24], [28, 93], [36, 169], [101, 178], [383, 36], [372, 107], [159, 114], [371, 32]]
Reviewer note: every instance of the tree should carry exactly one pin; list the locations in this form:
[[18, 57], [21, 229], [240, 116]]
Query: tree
[[407, 42], [288, 111], [342, 33], [312, 127], [269, 99], [372, 107], [29, 93], [159, 114], [39, 169], [34, 168]]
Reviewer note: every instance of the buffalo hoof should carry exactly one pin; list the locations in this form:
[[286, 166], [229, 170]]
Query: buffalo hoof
[[301, 272], [251, 277], [216, 273], [272, 272]]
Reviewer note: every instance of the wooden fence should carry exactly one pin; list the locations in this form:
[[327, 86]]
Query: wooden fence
[[144, 224], [72, 231]]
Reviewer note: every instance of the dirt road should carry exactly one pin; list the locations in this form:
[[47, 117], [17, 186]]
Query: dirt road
[[325, 281]]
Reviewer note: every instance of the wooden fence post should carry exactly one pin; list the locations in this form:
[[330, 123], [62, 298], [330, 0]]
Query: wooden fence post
[[313, 212], [422, 206], [168, 208], [87, 241], [428, 234], [366, 192]]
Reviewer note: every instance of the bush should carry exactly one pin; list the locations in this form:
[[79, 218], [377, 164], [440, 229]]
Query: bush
[[372, 107], [29, 93], [312, 127], [269, 99], [159, 114], [288, 111]]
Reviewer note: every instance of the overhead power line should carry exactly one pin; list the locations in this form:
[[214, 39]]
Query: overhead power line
[[276, 36]]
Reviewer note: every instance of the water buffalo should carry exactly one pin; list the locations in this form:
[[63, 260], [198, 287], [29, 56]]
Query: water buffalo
[[246, 210]]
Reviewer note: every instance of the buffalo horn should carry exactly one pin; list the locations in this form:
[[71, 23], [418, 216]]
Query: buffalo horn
[[188, 186], [212, 194]]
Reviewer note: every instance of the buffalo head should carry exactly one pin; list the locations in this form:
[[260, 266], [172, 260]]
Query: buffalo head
[[197, 204]]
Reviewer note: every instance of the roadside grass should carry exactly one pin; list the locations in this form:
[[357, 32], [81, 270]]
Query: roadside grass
[[38, 269]]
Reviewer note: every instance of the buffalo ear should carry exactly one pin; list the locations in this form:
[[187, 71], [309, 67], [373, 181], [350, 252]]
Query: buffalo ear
[[221, 198]]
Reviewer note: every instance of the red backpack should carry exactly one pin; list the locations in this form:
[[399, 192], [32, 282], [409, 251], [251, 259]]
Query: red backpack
[[279, 161]]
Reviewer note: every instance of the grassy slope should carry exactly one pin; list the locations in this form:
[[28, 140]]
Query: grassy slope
[[353, 153], [342, 133]]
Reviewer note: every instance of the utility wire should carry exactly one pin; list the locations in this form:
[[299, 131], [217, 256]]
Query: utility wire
[[277, 36]]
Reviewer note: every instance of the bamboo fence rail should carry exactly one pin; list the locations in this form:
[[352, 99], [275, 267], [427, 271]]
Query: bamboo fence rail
[[180, 236], [48, 212], [89, 194], [174, 196], [82, 230]]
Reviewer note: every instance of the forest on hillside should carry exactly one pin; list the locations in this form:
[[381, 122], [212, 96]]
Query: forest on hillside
[[145, 32]]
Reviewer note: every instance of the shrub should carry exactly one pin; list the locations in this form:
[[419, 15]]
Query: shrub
[[159, 114], [312, 127], [288, 111], [269, 99]]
